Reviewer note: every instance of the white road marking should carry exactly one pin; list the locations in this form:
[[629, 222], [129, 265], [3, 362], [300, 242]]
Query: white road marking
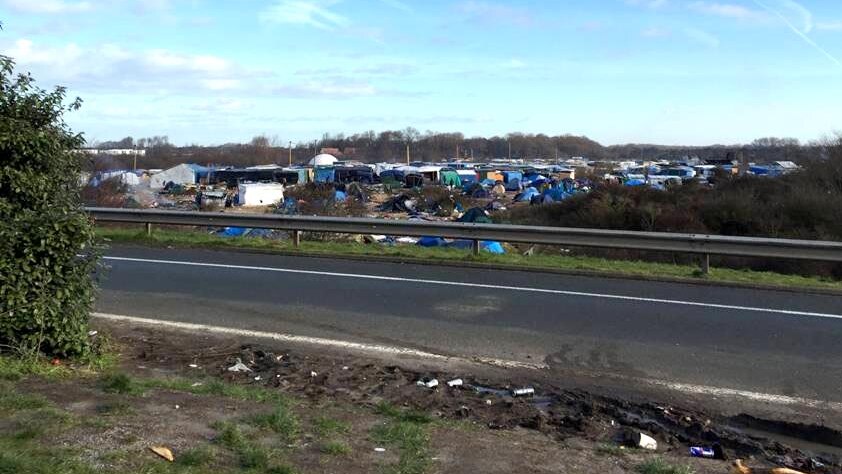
[[509, 364], [486, 286], [318, 341]]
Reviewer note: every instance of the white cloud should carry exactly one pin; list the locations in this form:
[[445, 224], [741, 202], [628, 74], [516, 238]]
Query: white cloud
[[702, 37], [727, 10], [798, 32], [398, 4], [47, 6], [327, 90], [656, 32], [829, 26], [111, 67], [514, 64], [496, 13], [315, 13], [652, 4]]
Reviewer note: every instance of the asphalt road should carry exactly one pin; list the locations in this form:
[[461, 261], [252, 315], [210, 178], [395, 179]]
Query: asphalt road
[[773, 342]]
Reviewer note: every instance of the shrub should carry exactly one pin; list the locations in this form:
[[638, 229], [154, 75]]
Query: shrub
[[46, 290]]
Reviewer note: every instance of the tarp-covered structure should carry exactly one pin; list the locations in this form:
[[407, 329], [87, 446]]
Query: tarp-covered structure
[[182, 174], [450, 178], [259, 194]]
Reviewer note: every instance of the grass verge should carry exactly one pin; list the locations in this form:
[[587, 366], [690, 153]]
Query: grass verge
[[659, 466], [405, 430], [164, 237]]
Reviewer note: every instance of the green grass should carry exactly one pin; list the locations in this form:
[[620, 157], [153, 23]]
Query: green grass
[[12, 400], [162, 237], [397, 414], [659, 466], [216, 387], [281, 420], [607, 449], [325, 426], [412, 441], [335, 448], [16, 368], [121, 383], [407, 431]]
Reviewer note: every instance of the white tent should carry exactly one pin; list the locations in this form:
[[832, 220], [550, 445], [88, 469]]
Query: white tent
[[181, 174], [260, 194], [323, 160]]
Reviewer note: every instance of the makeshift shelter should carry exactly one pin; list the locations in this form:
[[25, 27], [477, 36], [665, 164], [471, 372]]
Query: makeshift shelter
[[475, 215], [514, 184], [323, 160], [527, 194], [399, 203], [325, 175], [493, 175], [468, 177], [414, 180], [431, 173], [450, 178], [259, 194], [432, 242], [303, 175], [509, 176], [181, 174]]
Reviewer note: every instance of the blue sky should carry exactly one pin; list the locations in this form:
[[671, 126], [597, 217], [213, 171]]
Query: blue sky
[[618, 71]]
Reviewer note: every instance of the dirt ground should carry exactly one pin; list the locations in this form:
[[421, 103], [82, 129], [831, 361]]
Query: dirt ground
[[352, 414]]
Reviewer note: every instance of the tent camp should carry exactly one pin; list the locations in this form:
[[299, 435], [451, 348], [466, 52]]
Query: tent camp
[[259, 194], [181, 174], [323, 160], [450, 178]]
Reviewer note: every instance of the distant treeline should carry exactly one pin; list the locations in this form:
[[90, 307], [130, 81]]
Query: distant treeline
[[390, 146]]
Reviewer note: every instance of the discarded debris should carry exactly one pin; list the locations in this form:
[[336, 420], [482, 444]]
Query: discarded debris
[[196, 384], [455, 383], [239, 367], [313, 374], [163, 451], [523, 392], [715, 452], [740, 468], [92, 333], [193, 366], [431, 383], [380, 450], [257, 378], [641, 440]]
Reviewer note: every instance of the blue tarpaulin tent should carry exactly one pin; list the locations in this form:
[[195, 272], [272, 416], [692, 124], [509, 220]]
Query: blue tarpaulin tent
[[325, 175]]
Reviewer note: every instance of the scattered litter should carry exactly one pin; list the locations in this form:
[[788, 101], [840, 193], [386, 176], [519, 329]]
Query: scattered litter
[[741, 468], [193, 366], [488, 402], [640, 440], [196, 384], [455, 383], [313, 374], [163, 451], [523, 392], [278, 358], [380, 450], [710, 453], [432, 383], [56, 361], [239, 367], [92, 333], [177, 407], [257, 378], [345, 368]]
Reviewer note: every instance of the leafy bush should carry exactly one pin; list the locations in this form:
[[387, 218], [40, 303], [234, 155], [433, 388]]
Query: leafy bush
[[46, 290]]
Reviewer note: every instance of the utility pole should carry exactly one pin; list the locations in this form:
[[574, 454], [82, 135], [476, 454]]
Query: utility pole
[[134, 167], [457, 152], [407, 154], [290, 153], [510, 150]]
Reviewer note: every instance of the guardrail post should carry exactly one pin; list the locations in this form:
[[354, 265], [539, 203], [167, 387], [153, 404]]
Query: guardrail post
[[296, 238], [705, 264], [149, 229], [475, 247]]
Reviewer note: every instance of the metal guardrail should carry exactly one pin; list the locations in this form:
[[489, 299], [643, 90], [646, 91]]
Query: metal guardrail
[[704, 245]]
